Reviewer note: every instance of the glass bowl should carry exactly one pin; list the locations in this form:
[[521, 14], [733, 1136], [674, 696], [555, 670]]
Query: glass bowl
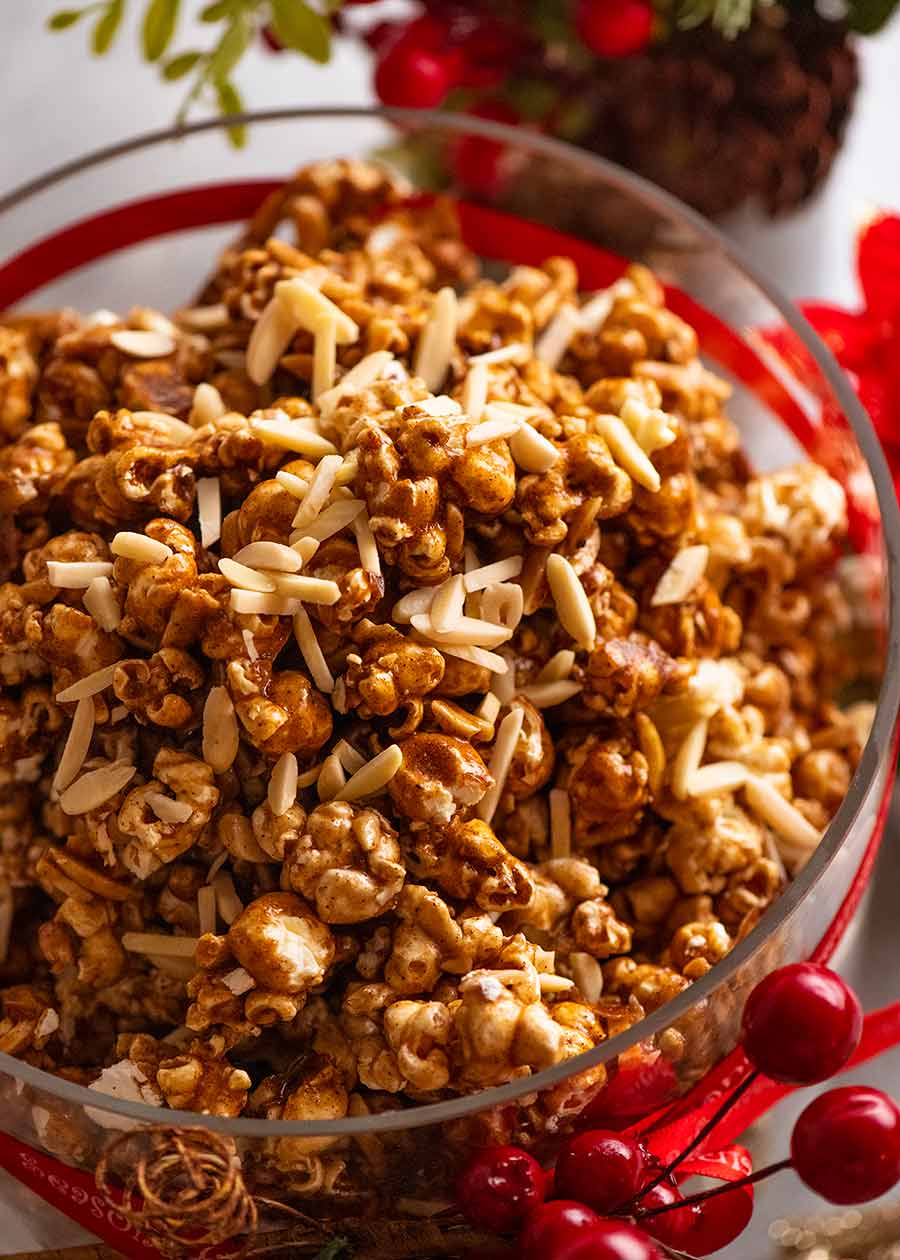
[[140, 222]]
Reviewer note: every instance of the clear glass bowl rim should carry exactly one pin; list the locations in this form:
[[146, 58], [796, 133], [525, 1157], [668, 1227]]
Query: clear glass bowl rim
[[877, 746]]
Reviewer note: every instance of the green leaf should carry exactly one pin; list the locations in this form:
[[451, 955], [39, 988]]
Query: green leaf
[[334, 1249], [216, 12], [158, 27], [301, 28], [868, 16], [181, 65], [230, 102], [231, 48], [107, 28], [65, 17]]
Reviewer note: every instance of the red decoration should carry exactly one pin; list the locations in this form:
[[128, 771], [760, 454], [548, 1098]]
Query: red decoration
[[614, 28], [499, 1187], [409, 77], [602, 1169], [553, 1227], [846, 1144], [801, 1024], [607, 1240], [478, 162], [718, 1221], [671, 1228]]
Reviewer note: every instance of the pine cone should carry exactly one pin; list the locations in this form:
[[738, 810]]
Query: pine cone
[[719, 122]]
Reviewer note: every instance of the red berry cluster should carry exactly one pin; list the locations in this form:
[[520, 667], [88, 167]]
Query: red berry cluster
[[609, 1198]]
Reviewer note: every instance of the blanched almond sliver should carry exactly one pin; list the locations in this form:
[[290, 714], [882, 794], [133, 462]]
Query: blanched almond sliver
[[244, 578], [571, 601], [141, 344], [291, 435], [77, 744], [446, 607], [311, 590], [309, 307], [73, 575], [532, 451], [475, 391], [467, 630], [95, 787], [500, 761], [100, 601], [436, 340], [269, 555], [132, 546], [681, 577], [499, 571]]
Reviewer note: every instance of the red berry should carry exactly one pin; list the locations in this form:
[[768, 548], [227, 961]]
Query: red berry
[[801, 1024], [478, 162], [717, 1221], [499, 1187], [614, 28], [601, 1168], [552, 1227], [634, 1092], [607, 1240], [411, 78], [846, 1144], [671, 1228]]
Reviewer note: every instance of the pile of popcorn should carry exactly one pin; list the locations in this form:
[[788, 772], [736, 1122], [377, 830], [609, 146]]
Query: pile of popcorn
[[406, 682]]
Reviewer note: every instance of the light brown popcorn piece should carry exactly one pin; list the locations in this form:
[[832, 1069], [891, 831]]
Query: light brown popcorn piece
[[156, 841], [281, 943], [136, 484], [29, 725], [177, 902], [597, 931], [71, 643], [803, 507], [533, 758], [701, 625], [28, 1019], [702, 857], [585, 470], [164, 690], [469, 863], [697, 947], [624, 676], [18, 377], [347, 862], [607, 780], [200, 1078], [392, 672], [337, 560], [32, 469], [229, 449], [822, 775], [280, 711], [650, 983], [272, 835], [122, 429], [747, 894], [313, 1090], [18, 660], [428, 939], [83, 932], [73, 546], [559, 885], [418, 1033], [439, 775]]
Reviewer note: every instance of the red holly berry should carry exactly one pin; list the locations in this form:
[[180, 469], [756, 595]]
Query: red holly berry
[[409, 77], [846, 1144], [499, 1186], [478, 162], [603, 1169], [671, 1228], [607, 1240], [801, 1024], [614, 28], [717, 1221], [552, 1227]]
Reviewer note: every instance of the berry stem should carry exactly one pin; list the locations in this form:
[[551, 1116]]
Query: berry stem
[[703, 1134], [760, 1175]]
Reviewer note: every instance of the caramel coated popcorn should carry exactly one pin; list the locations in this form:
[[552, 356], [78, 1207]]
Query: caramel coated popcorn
[[406, 683]]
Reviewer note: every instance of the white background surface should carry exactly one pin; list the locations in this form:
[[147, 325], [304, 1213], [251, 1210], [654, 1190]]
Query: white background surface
[[56, 103]]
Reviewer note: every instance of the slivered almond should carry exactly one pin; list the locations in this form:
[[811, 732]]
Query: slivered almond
[[475, 390], [499, 571], [118, 712], [651, 745], [560, 823], [297, 486], [531, 451], [206, 909], [283, 784], [229, 903], [554, 341], [311, 590], [269, 555], [132, 546], [558, 667], [688, 758], [203, 318], [572, 603], [167, 809], [492, 431], [263, 605], [365, 541], [308, 777], [95, 787], [207, 407], [272, 333], [160, 944], [546, 695], [588, 975], [100, 601], [476, 656], [239, 981], [319, 489], [151, 320], [652, 428], [245, 578], [333, 519], [77, 744], [502, 603], [718, 776], [250, 644], [681, 577], [489, 708], [784, 818], [374, 776], [331, 779], [440, 405], [209, 510], [349, 758], [447, 605], [90, 685], [436, 340], [515, 352], [221, 736], [309, 307], [414, 602], [324, 357], [347, 471], [305, 548], [74, 575], [177, 431], [501, 759], [627, 452], [311, 652], [290, 435], [143, 344], [466, 630], [365, 373], [595, 312]]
